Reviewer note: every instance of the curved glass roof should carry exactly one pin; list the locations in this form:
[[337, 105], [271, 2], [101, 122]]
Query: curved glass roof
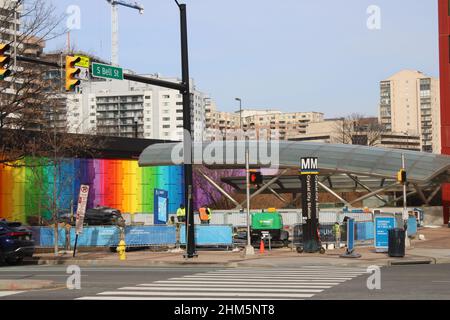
[[333, 158]]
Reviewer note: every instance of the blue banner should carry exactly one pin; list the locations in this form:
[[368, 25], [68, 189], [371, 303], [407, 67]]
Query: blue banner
[[210, 235], [412, 226], [350, 234], [150, 235], [109, 236], [382, 225], [160, 206]]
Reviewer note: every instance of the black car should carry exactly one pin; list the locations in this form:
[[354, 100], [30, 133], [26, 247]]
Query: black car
[[16, 242], [103, 216]]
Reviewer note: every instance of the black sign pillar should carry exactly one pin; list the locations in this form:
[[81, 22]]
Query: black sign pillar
[[309, 175]]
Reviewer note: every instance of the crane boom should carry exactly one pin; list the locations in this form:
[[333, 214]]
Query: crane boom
[[115, 26]]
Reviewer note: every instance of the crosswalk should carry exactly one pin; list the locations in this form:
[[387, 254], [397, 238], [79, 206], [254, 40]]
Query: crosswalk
[[238, 283]]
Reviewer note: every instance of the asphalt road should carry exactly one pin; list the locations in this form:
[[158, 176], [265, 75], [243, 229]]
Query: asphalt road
[[306, 282]]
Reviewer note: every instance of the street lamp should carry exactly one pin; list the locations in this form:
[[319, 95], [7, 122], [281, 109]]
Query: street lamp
[[187, 145], [240, 111], [248, 248]]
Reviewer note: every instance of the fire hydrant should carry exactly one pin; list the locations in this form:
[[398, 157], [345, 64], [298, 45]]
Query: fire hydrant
[[121, 250]]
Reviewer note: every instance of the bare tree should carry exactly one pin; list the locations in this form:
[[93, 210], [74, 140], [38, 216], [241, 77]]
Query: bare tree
[[31, 102], [358, 129], [26, 96]]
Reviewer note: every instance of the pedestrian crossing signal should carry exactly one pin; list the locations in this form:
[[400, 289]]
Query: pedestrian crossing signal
[[4, 61], [71, 73], [256, 178]]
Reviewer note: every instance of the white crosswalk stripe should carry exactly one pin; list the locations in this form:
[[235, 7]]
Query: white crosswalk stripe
[[8, 293], [239, 283]]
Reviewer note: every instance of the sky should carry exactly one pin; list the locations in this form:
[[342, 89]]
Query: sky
[[290, 55]]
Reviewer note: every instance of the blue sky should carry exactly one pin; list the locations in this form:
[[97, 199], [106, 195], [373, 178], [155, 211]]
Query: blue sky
[[292, 55]]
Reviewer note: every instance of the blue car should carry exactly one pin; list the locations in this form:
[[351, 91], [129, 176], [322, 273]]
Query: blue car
[[16, 242]]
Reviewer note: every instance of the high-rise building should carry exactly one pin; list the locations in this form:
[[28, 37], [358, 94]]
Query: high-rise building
[[410, 103], [126, 108]]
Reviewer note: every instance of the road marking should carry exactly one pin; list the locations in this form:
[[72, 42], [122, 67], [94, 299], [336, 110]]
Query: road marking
[[205, 276], [209, 293], [221, 289], [171, 298], [245, 283], [9, 293], [220, 285], [263, 279]]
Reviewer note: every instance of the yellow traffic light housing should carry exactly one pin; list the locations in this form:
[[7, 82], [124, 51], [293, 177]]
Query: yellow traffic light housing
[[71, 72], [401, 176], [4, 61]]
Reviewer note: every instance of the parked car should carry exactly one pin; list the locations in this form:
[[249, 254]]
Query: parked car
[[65, 216], [16, 242], [103, 216]]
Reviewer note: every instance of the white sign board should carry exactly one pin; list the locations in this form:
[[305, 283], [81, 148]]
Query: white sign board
[[81, 209], [83, 75]]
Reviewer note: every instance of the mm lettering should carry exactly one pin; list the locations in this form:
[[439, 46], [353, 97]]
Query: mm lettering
[[309, 166]]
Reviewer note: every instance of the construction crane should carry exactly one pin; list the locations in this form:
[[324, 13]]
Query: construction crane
[[115, 26]]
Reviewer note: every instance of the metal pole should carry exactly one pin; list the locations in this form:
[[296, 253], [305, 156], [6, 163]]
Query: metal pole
[[248, 249], [187, 136], [405, 210], [404, 188]]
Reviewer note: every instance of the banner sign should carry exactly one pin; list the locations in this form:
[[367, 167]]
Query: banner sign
[[81, 209], [350, 234], [382, 225], [310, 202], [160, 206], [218, 235]]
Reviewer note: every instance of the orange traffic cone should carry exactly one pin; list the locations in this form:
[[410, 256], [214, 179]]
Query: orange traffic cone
[[261, 246]]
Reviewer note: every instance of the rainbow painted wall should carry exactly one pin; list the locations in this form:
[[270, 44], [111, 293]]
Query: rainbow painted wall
[[27, 190]]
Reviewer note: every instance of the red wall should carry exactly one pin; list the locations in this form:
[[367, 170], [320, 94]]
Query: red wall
[[444, 60]]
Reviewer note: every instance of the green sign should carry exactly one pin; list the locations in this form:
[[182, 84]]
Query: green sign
[[105, 71]]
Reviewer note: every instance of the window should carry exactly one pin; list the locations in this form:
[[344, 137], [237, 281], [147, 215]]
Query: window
[[179, 103], [147, 97], [166, 119], [166, 96], [166, 126]]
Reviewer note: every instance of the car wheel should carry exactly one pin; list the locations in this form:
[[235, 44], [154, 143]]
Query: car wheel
[[14, 261]]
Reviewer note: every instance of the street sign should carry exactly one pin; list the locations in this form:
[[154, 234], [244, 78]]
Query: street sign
[[309, 165], [382, 224], [105, 71], [84, 61], [81, 209], [160, 206]]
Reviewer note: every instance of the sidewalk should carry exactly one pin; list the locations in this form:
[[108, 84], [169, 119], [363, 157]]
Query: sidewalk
[[434, 249]]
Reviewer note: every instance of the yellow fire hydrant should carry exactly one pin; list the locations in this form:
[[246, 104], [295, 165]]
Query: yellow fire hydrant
[[121, 250]]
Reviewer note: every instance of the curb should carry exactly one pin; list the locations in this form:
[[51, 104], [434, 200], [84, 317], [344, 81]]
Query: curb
[[15, 285]]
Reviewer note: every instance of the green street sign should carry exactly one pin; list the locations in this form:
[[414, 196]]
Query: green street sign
[[105, 71]]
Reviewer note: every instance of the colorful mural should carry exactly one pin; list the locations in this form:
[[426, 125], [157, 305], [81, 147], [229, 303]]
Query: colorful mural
[[27, 190]]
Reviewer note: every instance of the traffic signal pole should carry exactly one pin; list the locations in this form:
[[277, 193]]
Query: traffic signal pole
[[187, 136]]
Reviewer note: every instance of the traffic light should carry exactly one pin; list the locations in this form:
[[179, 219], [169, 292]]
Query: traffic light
[[4, 61], [401, 176], [256, 178], [71, 72]]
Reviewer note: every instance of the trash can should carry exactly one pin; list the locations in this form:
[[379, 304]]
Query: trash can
[[396, 242]]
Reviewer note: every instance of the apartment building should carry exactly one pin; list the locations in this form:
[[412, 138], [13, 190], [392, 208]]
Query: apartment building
[[260, 124], [339, 131], [128, 109], [410, 103]]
